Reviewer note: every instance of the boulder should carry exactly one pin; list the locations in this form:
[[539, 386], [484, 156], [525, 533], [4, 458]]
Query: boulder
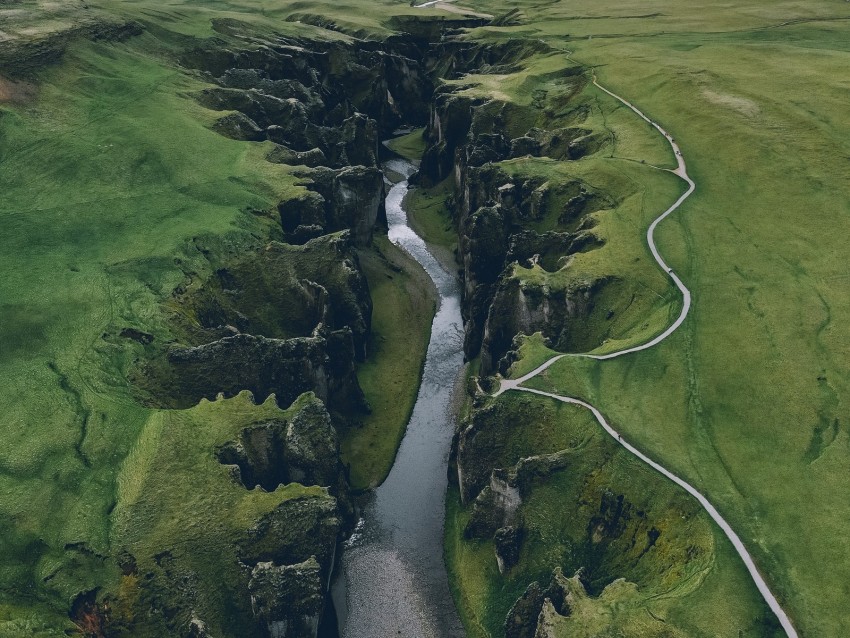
[[239, 126]]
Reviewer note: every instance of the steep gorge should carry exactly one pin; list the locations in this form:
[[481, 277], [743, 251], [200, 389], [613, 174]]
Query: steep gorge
[[235, 529], [293, 316]]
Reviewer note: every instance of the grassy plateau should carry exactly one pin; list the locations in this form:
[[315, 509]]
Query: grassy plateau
[[748, 400]]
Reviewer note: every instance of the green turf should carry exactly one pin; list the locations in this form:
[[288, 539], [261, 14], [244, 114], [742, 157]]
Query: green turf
[[410, 145], [103, 191], [676, 578], [747, 400], [172, 498], [114, 189], [429, 216]]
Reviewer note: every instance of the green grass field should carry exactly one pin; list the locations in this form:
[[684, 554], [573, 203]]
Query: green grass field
[[103, 191], [748, 399], [113, 189], [404, 302], [691, 577]]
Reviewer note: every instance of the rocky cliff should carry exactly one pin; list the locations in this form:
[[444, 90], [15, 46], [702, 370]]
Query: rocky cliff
[[505, 218], [286, 318]]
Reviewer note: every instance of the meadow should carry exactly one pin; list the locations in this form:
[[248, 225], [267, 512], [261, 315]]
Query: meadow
[[748, 399]]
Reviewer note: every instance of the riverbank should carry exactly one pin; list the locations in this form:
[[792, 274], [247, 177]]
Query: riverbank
[[392, 577]]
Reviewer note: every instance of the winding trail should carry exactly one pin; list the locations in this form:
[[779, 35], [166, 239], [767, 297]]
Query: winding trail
[[516, 384]]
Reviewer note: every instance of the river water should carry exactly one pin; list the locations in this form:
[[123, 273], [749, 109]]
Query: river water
[[392, 579]]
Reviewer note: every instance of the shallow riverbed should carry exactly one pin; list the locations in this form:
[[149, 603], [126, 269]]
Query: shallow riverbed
[[392, 579]]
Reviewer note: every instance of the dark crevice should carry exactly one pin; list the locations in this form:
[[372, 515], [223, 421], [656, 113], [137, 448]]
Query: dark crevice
[[82, 412]]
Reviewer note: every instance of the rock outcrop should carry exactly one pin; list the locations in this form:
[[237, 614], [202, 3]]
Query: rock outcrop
[[284, 367], [348, 198], [289, 557], [289, 598], [302, 450], [502, 218], [520, 307]]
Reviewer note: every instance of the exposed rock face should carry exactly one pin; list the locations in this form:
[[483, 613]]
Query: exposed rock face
[[296, 530], [258, 456], [487, 463], [238, 126], [336, 98], [286, 367], [495, 506], [348, 198], [523, 618], [289, 555], [289, 598], [325, 105], [520, 307], [312, 449], [508, 542], [495, 212], [303, 450], [451, 118], [285, 155], [281, 291]]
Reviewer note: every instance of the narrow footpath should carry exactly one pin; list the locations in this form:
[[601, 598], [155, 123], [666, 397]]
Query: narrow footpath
[[516, 384]]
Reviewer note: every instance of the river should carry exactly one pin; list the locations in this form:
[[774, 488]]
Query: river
[[392, 578]]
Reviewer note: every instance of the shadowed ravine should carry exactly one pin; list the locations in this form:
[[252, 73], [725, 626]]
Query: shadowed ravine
[[392, 579]]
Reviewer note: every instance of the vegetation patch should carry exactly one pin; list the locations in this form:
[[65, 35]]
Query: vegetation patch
[[581, 505], [404, 305]]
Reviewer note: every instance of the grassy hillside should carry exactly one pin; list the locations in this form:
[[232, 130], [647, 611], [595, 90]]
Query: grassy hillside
[[748, 399], [647, 560], [103, 192], [115, 190]]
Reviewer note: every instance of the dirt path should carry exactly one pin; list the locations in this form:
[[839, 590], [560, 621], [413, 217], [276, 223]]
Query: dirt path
[[516, 384]]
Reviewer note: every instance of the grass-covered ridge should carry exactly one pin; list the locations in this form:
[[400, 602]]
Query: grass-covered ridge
[[746, 401], [103, 191], [180, 515], [638, 544], [117, 193]]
